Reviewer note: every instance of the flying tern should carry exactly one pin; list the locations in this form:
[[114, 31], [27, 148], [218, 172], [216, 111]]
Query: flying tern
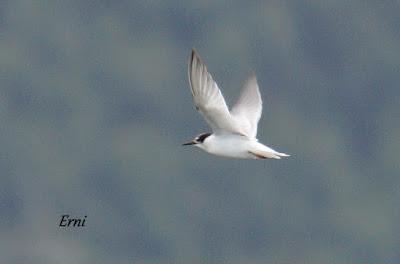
[[233, 132]]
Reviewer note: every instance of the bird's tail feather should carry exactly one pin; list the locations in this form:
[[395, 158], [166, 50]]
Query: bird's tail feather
[[262, 154]]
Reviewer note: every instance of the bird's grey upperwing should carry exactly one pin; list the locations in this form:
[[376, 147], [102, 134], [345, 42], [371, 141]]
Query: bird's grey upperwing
[[248, 108], [208, 98]]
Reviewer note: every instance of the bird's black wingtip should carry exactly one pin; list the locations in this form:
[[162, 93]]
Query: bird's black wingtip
[[194, 54]]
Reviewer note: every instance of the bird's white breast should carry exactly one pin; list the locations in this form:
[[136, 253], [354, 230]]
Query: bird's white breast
[[229, 145]]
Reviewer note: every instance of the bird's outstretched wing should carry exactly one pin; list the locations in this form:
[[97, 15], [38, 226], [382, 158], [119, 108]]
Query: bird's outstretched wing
[[248, 108], [208, 98]]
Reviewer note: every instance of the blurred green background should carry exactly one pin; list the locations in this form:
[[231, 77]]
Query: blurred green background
[[95, 103]]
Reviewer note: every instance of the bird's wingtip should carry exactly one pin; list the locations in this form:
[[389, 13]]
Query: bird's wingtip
[[194, 54], [253, 75]]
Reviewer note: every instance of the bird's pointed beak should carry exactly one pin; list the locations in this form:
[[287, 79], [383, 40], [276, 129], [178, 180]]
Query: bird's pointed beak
[[191, 142]]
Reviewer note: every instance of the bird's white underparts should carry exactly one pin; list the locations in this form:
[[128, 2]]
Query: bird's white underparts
[[233, 131]]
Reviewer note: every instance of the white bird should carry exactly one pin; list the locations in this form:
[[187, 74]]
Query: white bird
[[234, 132]]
